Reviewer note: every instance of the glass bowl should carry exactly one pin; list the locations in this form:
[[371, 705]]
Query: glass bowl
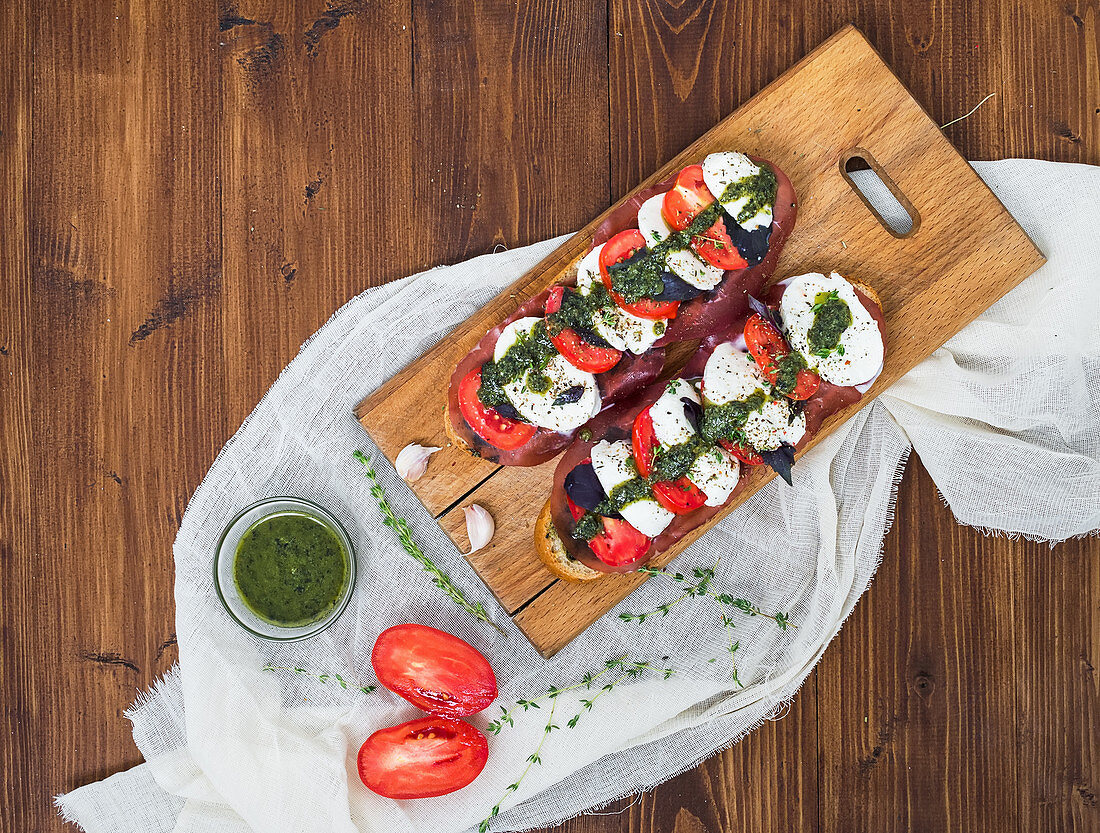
[[225, 557]]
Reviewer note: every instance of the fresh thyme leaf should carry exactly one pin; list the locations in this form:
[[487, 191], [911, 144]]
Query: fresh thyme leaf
[[404, 535], [322, 678]]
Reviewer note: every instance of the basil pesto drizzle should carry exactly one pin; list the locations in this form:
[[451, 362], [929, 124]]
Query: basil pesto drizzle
[[725, 422], [639, 276], [787, 375], [532, 351], [831, 318]]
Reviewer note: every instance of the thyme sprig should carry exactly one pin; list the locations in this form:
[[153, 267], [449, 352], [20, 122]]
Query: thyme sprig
[[404, 535], [324, 678], [629, 669], [703, 576]]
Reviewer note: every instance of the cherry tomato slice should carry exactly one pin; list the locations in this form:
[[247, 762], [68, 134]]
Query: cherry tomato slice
[[687, 199], [436, 672], [497, 430], [576, 350], [619, 544], [679, 496], [422, 758], [748, 456], [644, 442], [618, 248], [716, 248]]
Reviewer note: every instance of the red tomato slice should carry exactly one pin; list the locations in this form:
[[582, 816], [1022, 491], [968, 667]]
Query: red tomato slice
[[422, 758], [748, 456], [806, 383], [769, 348], [766, 344], [688, 197], [576, 350], [618, 248], [679, 496], [433, 670], [716, 248], [644, 442], [497, 430], [619, 544]]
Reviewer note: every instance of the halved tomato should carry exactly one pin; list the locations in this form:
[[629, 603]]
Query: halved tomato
[[679, 496], [433, 670], [619, 248], [422, 758], [496, 429], [768, 347], [576, 350], [644, 442], [748, 456], [619, 544], [687, 199]]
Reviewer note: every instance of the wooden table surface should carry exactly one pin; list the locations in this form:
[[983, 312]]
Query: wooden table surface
[[191, 188]]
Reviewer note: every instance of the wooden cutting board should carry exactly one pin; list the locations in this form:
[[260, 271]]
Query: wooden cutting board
[[963, 253]]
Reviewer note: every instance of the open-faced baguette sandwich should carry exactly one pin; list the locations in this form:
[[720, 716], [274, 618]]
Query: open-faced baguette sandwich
[[669, 264], [661, 465]]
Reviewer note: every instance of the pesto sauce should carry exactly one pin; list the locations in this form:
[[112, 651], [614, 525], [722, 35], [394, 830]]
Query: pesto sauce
[[290, 569], [640, 275], [675, 461], [787, 374], [588, 527], [831, 318], [724, 422], [531, 352], [578, 312], [591, 523]]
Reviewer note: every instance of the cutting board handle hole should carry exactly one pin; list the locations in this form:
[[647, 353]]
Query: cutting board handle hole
[[879, 193]]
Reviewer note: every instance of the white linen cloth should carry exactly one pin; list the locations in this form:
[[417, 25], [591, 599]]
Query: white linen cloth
[[1005, 417]]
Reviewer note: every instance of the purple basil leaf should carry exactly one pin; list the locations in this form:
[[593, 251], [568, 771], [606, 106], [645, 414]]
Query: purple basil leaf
[[693, 411], [781, 459], [765, 312], [584, 489]]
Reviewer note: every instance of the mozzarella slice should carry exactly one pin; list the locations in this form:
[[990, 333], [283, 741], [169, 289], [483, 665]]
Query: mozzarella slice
[[731, 376], [720, 170], [615, 325], [684, 263], [771, 426], [520, 328], [716, 473], [614, 466], [862, 341], [671, 425], [542, 410]]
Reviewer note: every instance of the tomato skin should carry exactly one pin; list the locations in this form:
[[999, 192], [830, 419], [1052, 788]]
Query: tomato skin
[[618, 248], [576, 350], [423, 758], [643, 442], [435, 671], [679, 496], [748, 456], [619, 544], [687, 199], [496, 429]]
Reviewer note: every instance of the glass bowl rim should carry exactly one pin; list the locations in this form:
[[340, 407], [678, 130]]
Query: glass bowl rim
[[307, 507]]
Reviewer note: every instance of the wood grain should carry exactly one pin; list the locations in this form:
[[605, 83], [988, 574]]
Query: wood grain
[[964, 253], [128, 128]]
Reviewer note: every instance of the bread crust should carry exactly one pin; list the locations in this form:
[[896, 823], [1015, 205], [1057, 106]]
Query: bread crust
[[451, 435], [549, 546], [867, 290]]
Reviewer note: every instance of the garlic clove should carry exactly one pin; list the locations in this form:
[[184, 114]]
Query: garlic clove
[[412, 462], [479, 527]]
